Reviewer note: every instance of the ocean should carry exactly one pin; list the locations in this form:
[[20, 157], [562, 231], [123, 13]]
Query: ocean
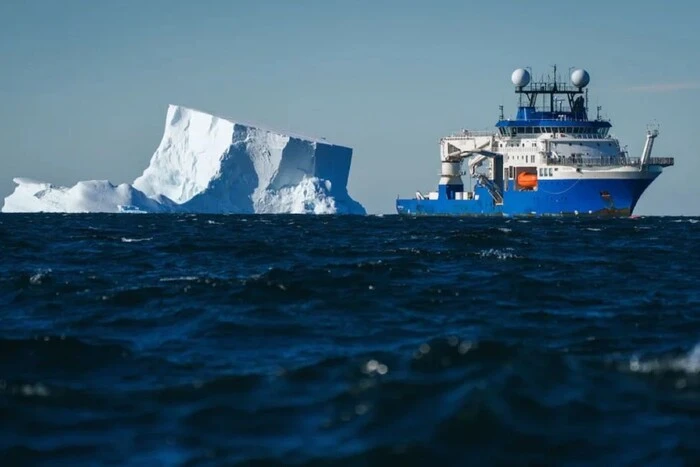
[[348, 340]]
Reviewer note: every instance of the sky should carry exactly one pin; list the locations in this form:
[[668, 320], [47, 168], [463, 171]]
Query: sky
[[85, 85]]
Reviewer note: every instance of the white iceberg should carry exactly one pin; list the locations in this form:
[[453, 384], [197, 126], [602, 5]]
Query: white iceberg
[[208, 164]]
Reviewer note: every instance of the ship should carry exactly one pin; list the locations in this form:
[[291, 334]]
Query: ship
[[551, 159]]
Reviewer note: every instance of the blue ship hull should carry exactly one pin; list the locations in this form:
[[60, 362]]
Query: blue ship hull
[[598, 197]]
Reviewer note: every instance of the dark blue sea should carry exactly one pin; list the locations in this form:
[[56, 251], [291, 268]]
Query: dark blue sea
[[353, 341]]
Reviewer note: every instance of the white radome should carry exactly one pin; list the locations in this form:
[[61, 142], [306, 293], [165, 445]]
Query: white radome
[[520, 77], [580, 78]]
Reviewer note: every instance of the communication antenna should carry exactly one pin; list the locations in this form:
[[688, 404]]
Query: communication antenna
[[653, 127], [500, 107]]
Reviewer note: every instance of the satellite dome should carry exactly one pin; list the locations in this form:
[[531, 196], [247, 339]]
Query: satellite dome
[[580, 78], [520, 77]]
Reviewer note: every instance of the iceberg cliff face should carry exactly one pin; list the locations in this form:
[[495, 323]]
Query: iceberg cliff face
[[211, 165]]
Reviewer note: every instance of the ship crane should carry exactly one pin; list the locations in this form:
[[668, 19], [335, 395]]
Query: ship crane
[[648, 146], [456, 158], [481, 153]]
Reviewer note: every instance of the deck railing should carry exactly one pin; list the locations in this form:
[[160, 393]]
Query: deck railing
[[610, 161], [470, 134], [662, 161]]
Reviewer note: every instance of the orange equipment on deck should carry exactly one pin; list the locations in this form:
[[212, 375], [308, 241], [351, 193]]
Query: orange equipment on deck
[[527, 179]]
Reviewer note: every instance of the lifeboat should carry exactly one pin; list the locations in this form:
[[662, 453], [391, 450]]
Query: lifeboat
[[527, 179]]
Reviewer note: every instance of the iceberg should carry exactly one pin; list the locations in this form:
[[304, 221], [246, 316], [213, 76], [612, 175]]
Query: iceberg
[[87, 196], [209, 164]]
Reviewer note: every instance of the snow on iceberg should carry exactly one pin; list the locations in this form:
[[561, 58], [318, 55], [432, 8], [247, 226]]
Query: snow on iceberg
[[209, 164]]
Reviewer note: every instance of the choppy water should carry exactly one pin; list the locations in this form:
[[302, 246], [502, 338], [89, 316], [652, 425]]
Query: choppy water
[[210, 340]]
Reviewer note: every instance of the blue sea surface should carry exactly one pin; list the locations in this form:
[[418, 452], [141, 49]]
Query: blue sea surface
[[348, 340]]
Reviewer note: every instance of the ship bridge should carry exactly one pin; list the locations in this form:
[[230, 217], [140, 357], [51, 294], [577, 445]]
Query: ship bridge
[[552, 107]]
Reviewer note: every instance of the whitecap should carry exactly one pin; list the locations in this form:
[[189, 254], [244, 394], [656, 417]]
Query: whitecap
[[177, 279], [39, 276], [132, 240], [506, 253], [689, 363], [38, 390]]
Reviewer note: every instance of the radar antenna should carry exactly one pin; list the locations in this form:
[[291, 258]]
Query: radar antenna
[[550, 86]]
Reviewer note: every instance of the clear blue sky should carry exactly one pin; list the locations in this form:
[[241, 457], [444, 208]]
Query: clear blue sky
[[84, 85]]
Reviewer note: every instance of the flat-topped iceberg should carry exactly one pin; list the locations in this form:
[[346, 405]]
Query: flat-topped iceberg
[[209, 164]]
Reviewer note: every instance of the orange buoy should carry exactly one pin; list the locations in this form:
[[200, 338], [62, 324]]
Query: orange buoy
[[527, 179]]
